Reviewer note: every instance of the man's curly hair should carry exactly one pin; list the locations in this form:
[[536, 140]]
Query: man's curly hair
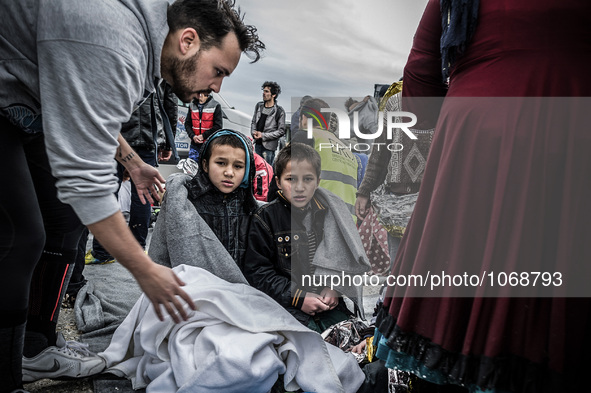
[[274, 86], [213, 20]]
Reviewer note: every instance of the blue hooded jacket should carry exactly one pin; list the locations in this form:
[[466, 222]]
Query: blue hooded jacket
[[228, 215]]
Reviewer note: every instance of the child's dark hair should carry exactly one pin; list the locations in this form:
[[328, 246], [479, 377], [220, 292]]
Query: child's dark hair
[[230, 140], [296, 152]]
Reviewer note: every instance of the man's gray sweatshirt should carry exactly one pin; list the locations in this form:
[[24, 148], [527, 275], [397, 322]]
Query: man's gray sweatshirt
[[75, 71]]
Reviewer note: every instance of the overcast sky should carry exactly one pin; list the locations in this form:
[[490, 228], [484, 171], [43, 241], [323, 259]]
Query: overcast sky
[[337, 48]]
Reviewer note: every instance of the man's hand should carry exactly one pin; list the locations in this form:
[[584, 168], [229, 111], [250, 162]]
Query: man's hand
[[257, 135], [164, 155], [146, 178], [160, 284], [163, 287], [313, 304], [147, 181], [361, 206]]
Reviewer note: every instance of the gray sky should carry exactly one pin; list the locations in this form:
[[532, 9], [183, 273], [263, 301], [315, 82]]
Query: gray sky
[[336, 48]]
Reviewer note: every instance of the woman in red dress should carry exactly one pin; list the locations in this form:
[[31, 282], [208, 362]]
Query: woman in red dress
[[507, 189]]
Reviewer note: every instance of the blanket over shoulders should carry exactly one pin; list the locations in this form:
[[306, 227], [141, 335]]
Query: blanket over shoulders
[[340, 255], [182, 237]]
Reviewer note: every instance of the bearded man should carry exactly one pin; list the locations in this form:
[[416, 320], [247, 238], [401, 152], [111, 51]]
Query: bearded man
[[71, 73]]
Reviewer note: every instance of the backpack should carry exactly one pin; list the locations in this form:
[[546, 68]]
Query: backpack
[[262, 178]]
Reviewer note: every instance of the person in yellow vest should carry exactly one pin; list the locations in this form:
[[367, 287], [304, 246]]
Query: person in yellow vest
[[339, 165]]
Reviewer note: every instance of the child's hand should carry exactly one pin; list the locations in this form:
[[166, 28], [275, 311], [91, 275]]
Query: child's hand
[[313, 304], [359, 348], [330, 297]]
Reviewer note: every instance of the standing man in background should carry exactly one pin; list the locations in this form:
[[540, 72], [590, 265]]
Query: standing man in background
[[268, 122]]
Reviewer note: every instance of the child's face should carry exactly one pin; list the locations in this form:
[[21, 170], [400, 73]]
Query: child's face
[[203, 98], [226, 167], [298, 182]]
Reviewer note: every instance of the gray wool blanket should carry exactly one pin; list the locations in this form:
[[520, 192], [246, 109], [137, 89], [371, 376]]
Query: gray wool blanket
[[182, 237], [340, 253], [101, 305]]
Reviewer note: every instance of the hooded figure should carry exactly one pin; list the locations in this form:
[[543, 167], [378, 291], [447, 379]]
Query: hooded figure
[[226, 213]]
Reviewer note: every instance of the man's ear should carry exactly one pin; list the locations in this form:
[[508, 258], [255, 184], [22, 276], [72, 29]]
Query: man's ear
[[189, 42]]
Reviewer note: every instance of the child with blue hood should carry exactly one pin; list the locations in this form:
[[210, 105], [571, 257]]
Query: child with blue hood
[[221, 191], [204, 219]]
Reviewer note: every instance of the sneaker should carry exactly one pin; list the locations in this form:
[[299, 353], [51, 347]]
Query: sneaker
[[89, 259], [67, 359]]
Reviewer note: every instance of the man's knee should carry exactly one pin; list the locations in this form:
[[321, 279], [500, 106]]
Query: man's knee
[[61, 244], [21, 238]]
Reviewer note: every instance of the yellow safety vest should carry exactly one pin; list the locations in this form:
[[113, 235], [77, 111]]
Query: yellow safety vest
[[339, 167]]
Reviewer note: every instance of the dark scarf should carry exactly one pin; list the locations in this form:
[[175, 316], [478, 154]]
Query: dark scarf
[[458, 21]]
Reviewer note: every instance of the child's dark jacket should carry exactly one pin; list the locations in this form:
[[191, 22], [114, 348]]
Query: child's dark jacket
[[228, 215], [279, 249]]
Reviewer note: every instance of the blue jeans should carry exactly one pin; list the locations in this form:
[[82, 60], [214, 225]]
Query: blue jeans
[[393, 245], [268, 155], [139, 214], [194, 152]]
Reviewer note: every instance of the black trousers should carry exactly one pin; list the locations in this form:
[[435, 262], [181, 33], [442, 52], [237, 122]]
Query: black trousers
[[38, 235]]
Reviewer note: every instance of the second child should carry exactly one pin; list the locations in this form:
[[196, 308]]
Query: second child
[[289, 239]]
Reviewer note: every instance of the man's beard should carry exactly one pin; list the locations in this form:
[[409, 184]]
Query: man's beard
[[179, 70]]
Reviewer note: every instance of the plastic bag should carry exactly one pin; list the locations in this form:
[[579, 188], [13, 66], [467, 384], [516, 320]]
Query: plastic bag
[[188, 166]]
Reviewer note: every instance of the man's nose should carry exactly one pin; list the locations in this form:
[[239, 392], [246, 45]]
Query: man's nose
[[216, 86]]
